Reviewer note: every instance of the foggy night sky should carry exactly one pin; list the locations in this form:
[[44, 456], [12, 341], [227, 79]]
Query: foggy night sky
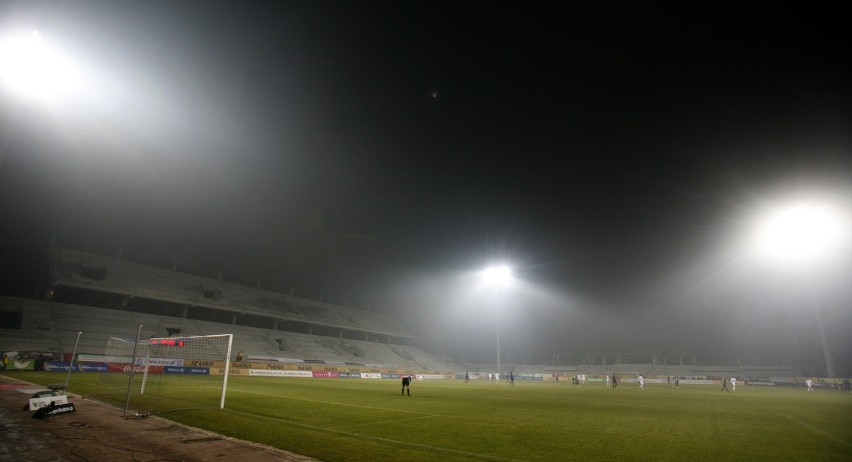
[[375, 152]]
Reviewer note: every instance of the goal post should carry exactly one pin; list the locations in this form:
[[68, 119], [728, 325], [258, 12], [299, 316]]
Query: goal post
[[177, 368], [197, 354]]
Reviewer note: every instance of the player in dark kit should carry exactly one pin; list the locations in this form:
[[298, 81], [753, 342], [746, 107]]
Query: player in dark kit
[[406, 385], [725, 384]]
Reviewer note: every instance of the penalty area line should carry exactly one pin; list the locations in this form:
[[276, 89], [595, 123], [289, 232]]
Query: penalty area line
[[376, 438], [818, 431], [387, 421], [335, 403]]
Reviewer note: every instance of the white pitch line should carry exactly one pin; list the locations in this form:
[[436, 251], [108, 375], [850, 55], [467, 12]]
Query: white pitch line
[[817, 430], [387, 421], [376, 438], [336, 403]]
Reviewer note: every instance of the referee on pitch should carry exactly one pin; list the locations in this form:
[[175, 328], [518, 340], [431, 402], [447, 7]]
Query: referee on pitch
[[406, 385]]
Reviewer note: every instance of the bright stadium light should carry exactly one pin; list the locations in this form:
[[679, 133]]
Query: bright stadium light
[[35, 70], [36, 73], [498, 277], [800, 233], [801, 237]]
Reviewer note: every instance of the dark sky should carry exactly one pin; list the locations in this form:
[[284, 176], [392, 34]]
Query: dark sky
[[375, 152]]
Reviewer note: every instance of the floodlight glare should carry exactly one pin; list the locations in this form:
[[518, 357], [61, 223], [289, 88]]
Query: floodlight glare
[[498, 275], [32, 69], [801, 235], [799, 232]]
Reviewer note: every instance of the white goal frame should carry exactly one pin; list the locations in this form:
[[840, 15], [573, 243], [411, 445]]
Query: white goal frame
[[156, 343], [171, 352]]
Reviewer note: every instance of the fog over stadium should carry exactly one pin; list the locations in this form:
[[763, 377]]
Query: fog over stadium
[[620, 157]]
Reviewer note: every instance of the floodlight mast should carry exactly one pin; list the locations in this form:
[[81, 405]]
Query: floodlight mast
[[802, 234], [498, 277]]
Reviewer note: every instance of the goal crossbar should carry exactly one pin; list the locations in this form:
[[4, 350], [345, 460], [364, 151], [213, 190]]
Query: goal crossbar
[[178, 354], [184, 346]]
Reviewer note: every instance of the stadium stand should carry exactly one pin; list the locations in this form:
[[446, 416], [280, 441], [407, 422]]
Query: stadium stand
[[50, 326], [37, 332], [107, 297], [89, 279]]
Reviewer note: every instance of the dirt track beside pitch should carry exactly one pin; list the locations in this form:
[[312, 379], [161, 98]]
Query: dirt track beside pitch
[[98, 432]]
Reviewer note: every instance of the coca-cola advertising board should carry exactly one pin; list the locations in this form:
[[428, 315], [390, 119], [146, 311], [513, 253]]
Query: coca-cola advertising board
[[125, 368]]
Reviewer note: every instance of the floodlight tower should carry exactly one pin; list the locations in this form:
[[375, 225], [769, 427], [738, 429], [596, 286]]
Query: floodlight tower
[[800, 236], [34, 73], [498, 277], [33, 70]]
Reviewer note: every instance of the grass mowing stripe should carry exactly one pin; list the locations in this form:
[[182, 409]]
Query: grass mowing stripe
[[375, 438]]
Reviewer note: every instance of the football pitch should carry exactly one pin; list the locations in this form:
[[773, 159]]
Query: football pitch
[[368, 420]]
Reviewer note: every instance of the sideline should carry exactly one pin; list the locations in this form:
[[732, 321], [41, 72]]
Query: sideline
[[97, 431]]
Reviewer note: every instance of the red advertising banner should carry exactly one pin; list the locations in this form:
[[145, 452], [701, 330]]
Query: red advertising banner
[[326, 374], [125, 368]]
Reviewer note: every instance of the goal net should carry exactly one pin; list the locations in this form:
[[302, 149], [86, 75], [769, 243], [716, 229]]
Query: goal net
[[170, 373]]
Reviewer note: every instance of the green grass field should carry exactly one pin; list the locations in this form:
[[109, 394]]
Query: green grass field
[[368, 420]]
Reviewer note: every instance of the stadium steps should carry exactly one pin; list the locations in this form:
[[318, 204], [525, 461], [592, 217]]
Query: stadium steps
[[313, 347], [124, 276], [28, 340], [37, 315]]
